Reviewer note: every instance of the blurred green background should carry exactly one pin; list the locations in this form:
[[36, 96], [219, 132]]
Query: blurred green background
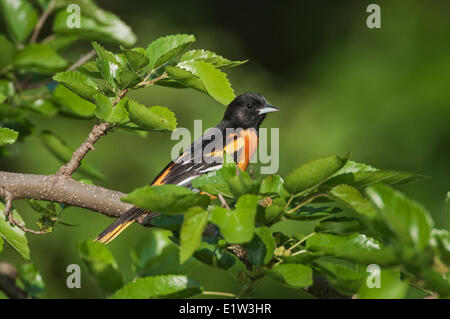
[[383, 94]]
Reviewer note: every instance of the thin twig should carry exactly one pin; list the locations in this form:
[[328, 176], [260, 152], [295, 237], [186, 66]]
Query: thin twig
[[223, 201], [97, 131], [153, 81], [9, 214], [306, 202], [300, 241], [41, 21], [82, 60]]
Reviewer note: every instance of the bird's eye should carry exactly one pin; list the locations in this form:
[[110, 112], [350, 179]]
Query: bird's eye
[[250, 106]]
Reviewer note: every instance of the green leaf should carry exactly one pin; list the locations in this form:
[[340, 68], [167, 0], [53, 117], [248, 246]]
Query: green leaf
[[344, 277], [7, 51], [313, 173], [1, 243], [7, 136], [164, 286], [166, 199], [152, 118], [180, 78], [165, 48], [368, 177], [136, 58], [101, 265], [41, 106], [313, 212], [353, 199], [20, 18], [39, 58], [391, 287], [260, 248], [72, 104], [215, 182], [214, 80], [273, 184], [210, 57], [356, 247], [156, 254], [78, 83], [238, 225], [13, 234], [214, 256], [56, 146], [31, 279], [105, 111], [338, 225], [405, 217], [293, 275], [194, 223], [95, 24]]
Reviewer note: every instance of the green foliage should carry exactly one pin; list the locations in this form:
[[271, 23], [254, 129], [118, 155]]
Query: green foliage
[[13, 234], [101, 265], [164, 286], [358, 219]]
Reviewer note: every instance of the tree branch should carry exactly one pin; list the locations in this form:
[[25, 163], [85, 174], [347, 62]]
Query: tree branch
[[42, 19], [8, 275], [62, 190], [70, 167]]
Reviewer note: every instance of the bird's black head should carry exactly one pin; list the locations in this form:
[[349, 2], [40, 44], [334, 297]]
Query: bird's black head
[[248, 110]]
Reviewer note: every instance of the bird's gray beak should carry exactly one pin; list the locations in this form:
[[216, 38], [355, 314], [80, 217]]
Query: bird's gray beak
[[268, 109]]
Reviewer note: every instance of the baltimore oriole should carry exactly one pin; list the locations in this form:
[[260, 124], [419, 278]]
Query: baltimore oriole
[[239, 130]]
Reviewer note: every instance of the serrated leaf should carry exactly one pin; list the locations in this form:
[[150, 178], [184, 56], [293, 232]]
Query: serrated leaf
[[72, 104], [179, 78], [405, 217], [215, 81], [191, 232], [136, 58], [391, 286], [313, 173], [345, 278], [159, 286], [152, 118], [356, 247], [13, 234], [105, 111], [210, 57], [353, 199], [366, 178], [101, 265], [214, 256], [165, 48], [215, 182], [237, 226], [20, 18], [56, 146], [7, 136], [39, 58], [292, 275], [78, 83], [95, 24], [260, 248], [273, 184], [167, 199]]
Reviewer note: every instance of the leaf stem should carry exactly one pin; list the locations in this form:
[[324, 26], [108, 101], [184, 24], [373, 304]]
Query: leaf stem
[[300, 241]]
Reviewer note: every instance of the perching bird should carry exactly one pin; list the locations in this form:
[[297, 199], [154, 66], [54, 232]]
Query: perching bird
[[238, 137]]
